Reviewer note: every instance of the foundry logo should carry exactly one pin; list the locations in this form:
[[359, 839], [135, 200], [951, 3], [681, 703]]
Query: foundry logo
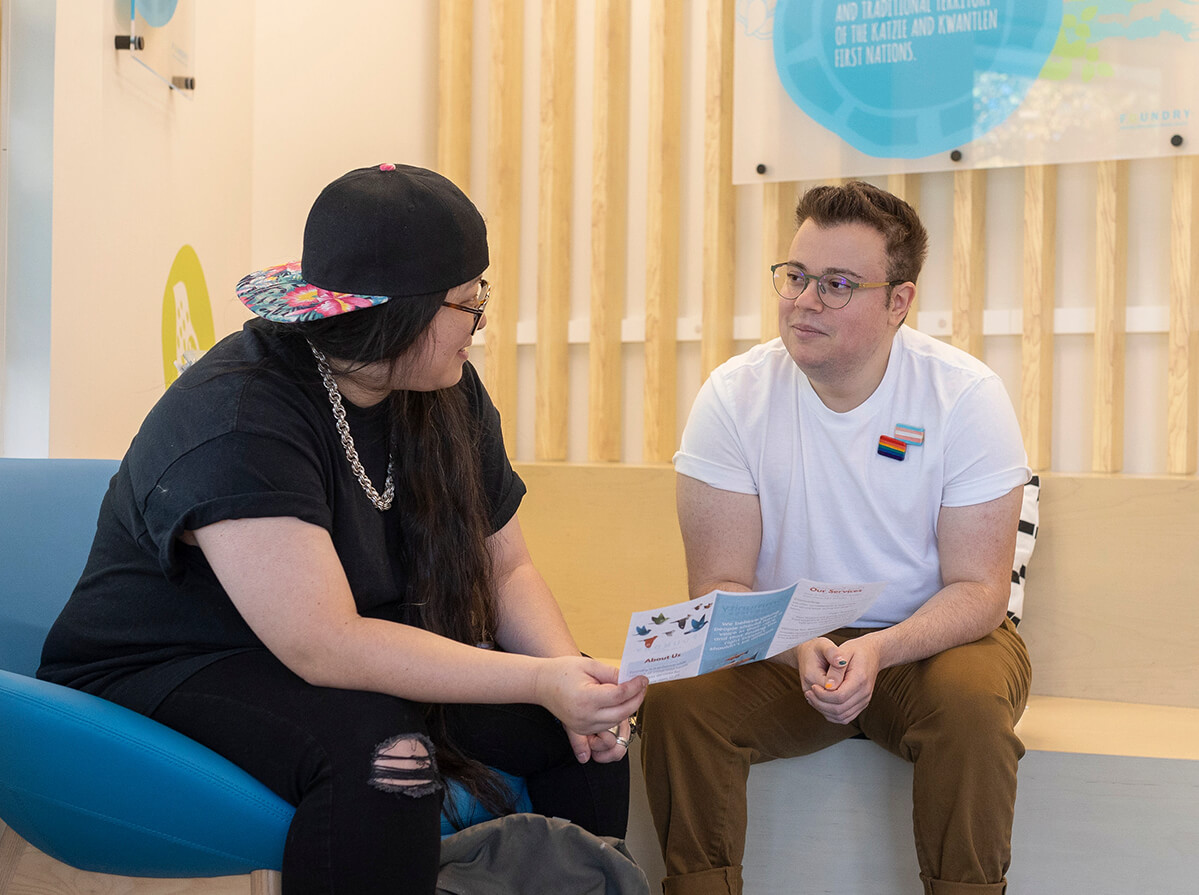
[[1154, 118]]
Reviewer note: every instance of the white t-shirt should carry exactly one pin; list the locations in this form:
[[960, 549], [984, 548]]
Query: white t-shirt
[[833, 508]]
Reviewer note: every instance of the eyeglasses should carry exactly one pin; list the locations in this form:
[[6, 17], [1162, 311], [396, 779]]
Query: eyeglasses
[[477, 306], [833, 290]]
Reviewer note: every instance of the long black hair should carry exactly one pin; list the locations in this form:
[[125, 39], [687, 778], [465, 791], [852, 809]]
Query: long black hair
[[444, 519]]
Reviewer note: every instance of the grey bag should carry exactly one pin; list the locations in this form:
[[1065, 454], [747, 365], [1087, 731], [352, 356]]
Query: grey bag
[[527, 854]]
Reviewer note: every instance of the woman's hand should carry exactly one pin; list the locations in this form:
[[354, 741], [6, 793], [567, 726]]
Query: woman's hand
[[583, 694], [611, 744]]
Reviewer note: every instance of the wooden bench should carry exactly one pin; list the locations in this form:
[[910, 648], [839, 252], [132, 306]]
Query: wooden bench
[[1109, 789]]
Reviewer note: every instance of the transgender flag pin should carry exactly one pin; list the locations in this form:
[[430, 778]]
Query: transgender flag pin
[[891, 447], [909, 434]]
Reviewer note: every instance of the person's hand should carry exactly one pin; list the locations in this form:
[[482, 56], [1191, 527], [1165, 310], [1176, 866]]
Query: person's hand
[[612, 744], [820, 663], [584, 695], [838, 680]]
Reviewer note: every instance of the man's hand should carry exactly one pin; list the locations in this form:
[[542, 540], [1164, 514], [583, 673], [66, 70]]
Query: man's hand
[[838, 680]]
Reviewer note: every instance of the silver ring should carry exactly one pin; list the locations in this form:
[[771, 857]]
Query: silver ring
[[622, 741]]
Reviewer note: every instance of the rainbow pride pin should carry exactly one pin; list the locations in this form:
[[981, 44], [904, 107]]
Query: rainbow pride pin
[[891, 447], [909, 434]]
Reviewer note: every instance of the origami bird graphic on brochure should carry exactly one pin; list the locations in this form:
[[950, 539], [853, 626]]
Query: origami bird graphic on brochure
[[722, 629]]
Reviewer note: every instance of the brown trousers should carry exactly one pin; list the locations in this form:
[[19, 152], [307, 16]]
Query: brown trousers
[[952, 715]]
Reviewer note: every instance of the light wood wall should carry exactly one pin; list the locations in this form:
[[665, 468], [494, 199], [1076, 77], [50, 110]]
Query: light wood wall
[[663, 208], [1114, 563]]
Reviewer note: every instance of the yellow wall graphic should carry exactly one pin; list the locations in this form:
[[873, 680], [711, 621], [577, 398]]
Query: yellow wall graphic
[[187, 330]]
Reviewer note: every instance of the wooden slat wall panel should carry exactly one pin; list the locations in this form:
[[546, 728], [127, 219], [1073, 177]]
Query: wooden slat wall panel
[[969, 276], [609, 227], [716, 343], [1182, 386], [662, 229], [907, 187], [504, 206], [1036, 384], [455, 33], [556, 171], [1111, 286], [778, 229]]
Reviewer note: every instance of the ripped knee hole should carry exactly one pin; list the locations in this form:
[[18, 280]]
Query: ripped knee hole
[[405, 764]]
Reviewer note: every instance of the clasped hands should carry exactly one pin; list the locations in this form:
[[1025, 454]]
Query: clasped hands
[[838, 680], [612, 744], [595, 710]]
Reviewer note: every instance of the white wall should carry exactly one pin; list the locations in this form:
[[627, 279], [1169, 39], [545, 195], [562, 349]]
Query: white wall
[[26, 107], [336, 86], [139, 171], [288, 97]]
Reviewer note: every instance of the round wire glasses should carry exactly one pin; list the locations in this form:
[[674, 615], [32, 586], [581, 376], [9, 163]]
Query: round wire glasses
[[833, 290]]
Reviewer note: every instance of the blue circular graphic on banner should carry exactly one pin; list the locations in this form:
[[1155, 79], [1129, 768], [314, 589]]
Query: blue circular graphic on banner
[[911, 78], [156, 12]]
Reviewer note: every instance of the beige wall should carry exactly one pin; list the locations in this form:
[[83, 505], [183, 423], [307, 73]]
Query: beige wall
[[288, 96], [139, 171], [336, 86]]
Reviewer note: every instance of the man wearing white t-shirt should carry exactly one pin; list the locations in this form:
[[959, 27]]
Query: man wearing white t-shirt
[[853, 449]]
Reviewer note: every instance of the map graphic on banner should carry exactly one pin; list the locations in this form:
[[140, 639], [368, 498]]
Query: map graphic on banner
[[830, 89]]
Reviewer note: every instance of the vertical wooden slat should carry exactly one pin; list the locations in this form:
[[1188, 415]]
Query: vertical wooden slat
[[662, 229], [969, 280], [716, 342], [556, 175], [504, 207], [778, 228], [1182, 385], [1111, 285], [907, 187], [609, 227], [455, 32], [1036, 389]]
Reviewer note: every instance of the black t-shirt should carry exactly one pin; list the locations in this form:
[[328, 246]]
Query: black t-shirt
[[247, 431]]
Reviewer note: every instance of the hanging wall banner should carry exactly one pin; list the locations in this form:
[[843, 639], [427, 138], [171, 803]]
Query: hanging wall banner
[[835, 89]]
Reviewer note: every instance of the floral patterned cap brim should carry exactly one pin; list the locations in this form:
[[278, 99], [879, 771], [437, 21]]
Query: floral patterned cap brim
[[281, 294]]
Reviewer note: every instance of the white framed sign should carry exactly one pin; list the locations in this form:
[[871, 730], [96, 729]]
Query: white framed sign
[[832, 89]]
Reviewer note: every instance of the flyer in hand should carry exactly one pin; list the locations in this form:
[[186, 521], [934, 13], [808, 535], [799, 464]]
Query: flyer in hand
[[722, 629]]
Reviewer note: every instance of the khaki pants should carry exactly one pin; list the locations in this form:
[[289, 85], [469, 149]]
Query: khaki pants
[[952, 715]]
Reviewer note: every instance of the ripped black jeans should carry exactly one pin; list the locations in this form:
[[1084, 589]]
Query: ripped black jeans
[[348, 759]]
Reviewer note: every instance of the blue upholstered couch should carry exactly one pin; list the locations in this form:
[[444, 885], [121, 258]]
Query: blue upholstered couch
[[86, 781]]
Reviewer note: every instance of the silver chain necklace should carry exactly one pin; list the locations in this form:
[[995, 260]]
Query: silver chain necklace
[[347, 440]]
